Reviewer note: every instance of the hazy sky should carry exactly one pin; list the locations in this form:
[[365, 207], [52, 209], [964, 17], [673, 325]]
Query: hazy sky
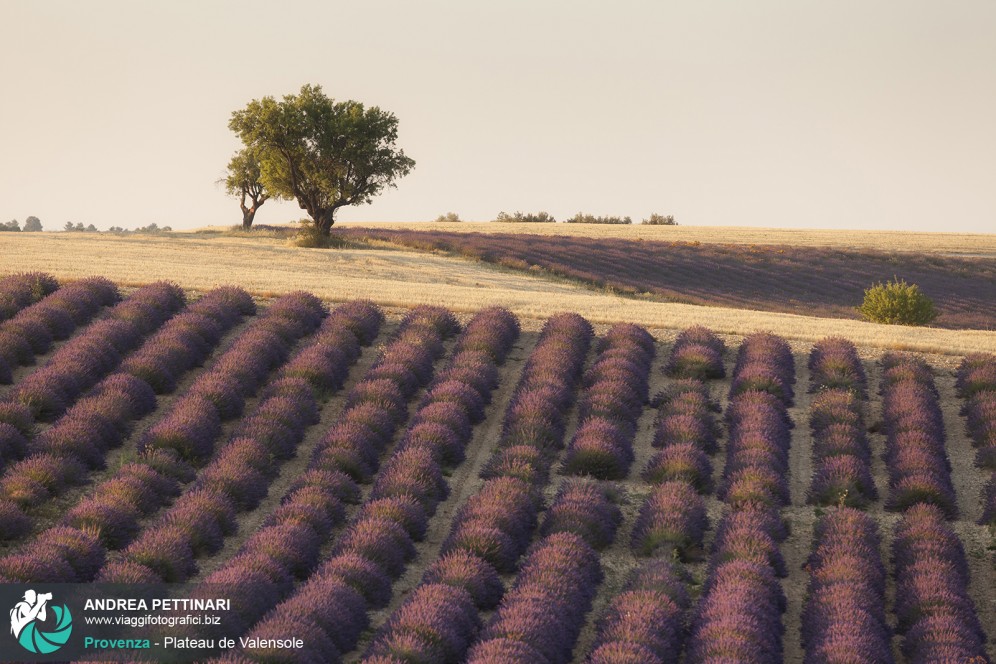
[[844, 114]]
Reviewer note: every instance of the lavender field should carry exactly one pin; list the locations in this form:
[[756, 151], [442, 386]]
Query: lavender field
[[792, 279], [427, 487]]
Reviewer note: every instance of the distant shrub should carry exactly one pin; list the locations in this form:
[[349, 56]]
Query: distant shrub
[[11, 226], [151, 229], [32, 225], [78, 227], [449, 216], [581, 218], [897, 303], [523, 217], [660, 220]]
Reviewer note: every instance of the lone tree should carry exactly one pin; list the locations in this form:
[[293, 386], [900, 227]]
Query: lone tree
[[244, 181], [32, 224], [325, 154]]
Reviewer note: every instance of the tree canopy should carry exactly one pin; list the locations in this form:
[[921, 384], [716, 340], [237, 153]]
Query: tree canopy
[[323, 153], [244, 181]]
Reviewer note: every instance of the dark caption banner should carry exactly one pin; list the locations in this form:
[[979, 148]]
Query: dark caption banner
[[52, 622]]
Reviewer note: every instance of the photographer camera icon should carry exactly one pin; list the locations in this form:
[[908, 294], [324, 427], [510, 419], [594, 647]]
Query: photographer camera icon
[[26, 612]]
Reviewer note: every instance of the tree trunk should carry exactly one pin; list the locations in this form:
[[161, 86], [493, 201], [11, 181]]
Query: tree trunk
[[247, 216], [324, 220]]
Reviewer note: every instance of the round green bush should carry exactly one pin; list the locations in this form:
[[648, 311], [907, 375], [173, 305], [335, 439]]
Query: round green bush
[[897, 303]]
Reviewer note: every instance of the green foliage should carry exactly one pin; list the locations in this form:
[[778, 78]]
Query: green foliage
[[32, 225], [243, 181], [11, 226], [660, 220], [581, 218], [897, 303], [449, 216], [323, 153], [524, 217]]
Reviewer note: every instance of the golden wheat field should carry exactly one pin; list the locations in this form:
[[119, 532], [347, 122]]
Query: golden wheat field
[[393, 277]]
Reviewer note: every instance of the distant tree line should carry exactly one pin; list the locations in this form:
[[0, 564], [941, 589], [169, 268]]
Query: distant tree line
[[580, 218], [78, 227], [31, 225], [151, 229]]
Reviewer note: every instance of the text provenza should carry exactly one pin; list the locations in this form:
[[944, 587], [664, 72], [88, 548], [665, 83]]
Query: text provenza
[[116, 644]]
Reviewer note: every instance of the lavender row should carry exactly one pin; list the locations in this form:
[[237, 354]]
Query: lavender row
[[843, 618], [765, 364], [87, 357], [192, 424], [21, 290], [188, 338], [100, 420], [697, 353], [534, 424], [671, 523], [756, 470], [185, 434], [759, 425], [919, 470], [423, 628], [237, 479], [616, 388], [288, 546], [933, 607], [33, 329], [541, 615], [976, 384], [685, 428], [739, 615], [645, 624], [74, 368], [405, 494], [586, 509], [834, 365], [687, 432], [497, 523], [841, 452], [494, 526]]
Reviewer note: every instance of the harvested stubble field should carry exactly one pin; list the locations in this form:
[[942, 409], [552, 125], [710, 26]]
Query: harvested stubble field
[[458, 490], [393, 277], [954, 244]]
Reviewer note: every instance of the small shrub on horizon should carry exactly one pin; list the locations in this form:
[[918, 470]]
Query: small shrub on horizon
[[659, 220], [525, 217], [897, 303], [582, 218], [449, 217]]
